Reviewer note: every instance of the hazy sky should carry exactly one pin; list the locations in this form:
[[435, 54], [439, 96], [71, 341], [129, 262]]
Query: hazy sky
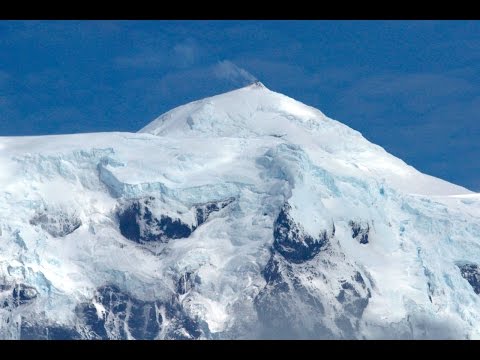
[[411, 87]]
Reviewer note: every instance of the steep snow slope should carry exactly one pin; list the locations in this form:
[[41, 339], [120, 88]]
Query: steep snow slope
[[244, 215]]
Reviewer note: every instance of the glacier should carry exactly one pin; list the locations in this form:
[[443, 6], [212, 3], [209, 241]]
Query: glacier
[[247, 215]]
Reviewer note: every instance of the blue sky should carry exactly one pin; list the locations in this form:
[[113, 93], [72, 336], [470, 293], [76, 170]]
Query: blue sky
[[412, 87]]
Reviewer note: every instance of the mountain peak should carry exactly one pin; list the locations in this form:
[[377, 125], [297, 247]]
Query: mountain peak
[[250, 111], [259, 114], [257, 85]]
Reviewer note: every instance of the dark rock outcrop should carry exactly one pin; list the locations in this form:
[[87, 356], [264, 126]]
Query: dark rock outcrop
[[138, 223], [360, 231], [35, 331], [471, 273], [290, 288], [18, 295], [58, 224], [203, 211], [351, 299], [142, 319], [292, 242], [186, 282], [23, 294]]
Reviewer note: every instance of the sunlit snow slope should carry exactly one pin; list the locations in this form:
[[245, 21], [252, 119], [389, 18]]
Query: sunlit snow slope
[[244, 215]]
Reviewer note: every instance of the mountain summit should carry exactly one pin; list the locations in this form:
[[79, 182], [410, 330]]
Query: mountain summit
[[243, 215], [255, 112]]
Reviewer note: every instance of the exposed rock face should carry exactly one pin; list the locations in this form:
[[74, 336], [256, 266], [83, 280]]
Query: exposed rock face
[[291, 241], [186, 282], [203, 211], [360, 231], [471, 273], [57, 223], [297, 262], [114, 314], [34, 331], [138, 223], [17, 295]]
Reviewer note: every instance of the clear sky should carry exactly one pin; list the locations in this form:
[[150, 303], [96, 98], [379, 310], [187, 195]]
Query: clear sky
[[411, 87]]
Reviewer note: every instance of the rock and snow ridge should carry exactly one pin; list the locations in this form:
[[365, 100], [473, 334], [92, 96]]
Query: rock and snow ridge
[[243, 215]]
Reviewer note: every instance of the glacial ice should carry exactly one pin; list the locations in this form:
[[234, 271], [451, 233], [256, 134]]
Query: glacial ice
[[398, 260]]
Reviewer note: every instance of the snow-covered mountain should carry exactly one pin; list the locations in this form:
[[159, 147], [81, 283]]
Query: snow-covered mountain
[[244, 215]]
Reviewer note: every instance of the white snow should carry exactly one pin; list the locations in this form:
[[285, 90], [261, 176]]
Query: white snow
[[262, 148]]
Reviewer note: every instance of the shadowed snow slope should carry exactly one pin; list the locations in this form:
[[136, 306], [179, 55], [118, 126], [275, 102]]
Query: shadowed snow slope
[[243, 215]]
